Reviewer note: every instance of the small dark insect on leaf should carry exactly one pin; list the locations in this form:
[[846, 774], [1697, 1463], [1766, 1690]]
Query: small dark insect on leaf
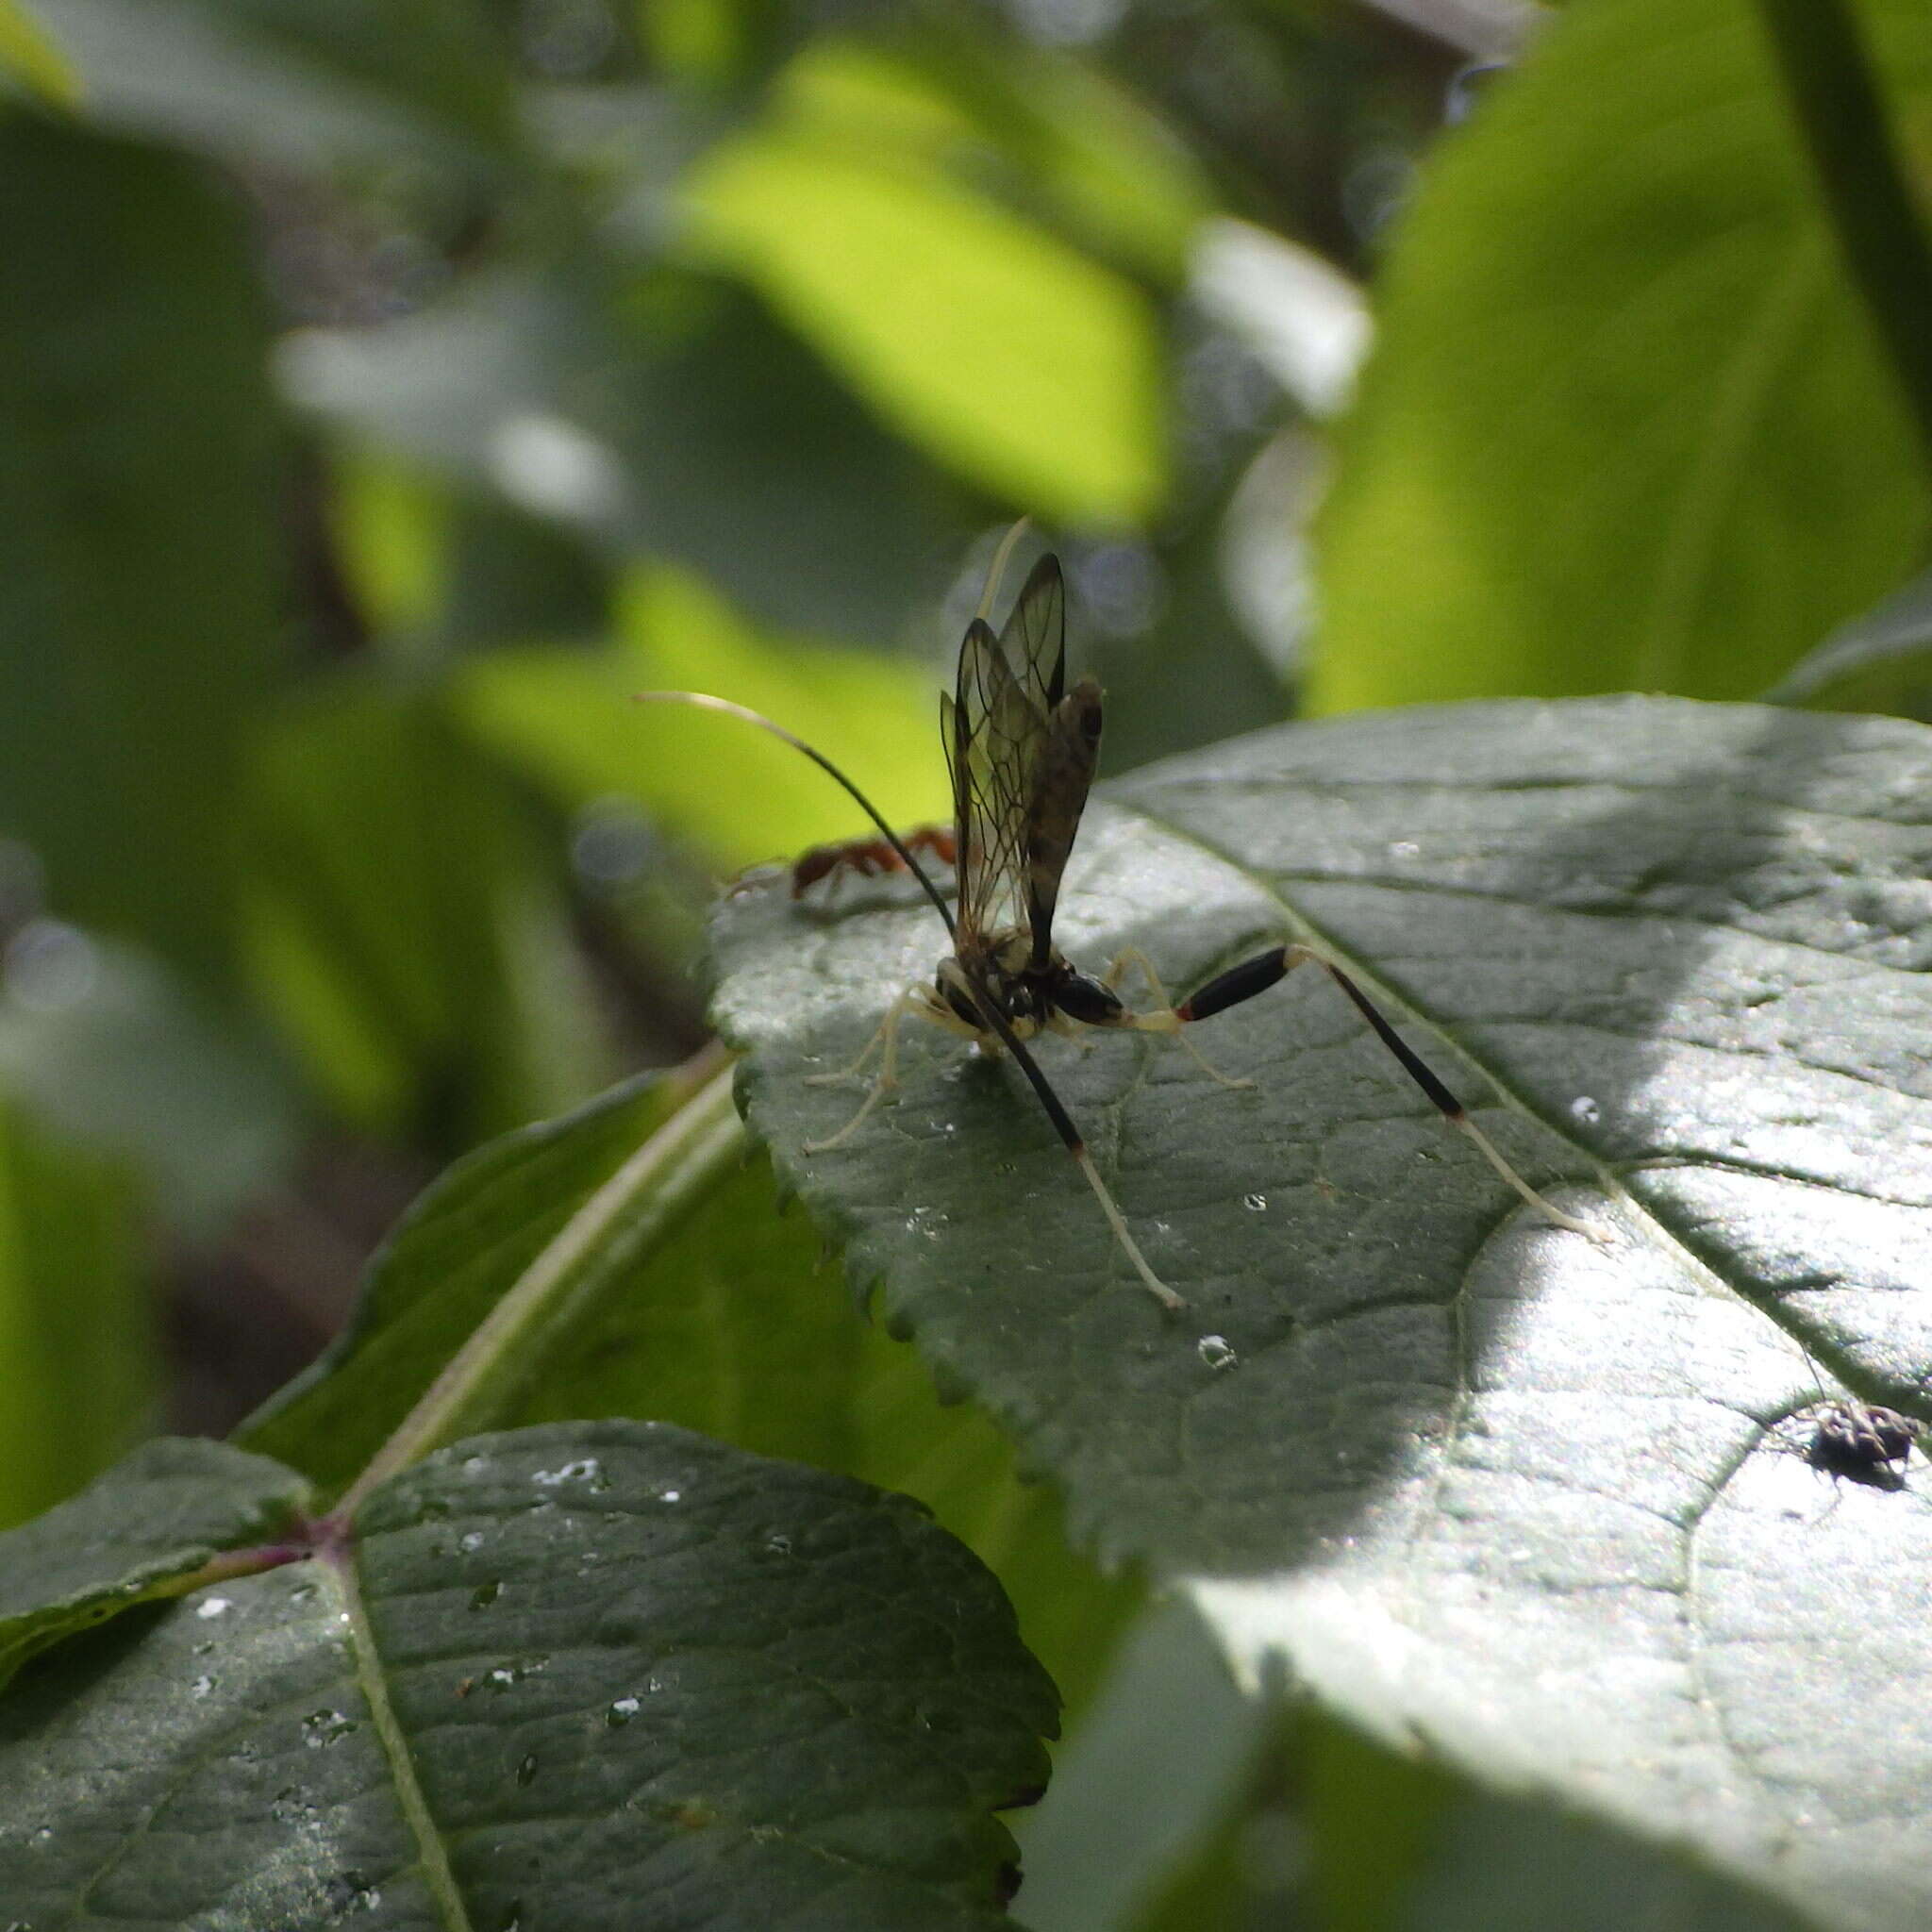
[[1867, 1444], [1022, 746]]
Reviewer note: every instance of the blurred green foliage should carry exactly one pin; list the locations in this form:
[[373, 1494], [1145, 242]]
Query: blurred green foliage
[[388, 391]]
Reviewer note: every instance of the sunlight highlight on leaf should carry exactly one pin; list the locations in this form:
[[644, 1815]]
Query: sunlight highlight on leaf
[[1024, 366]]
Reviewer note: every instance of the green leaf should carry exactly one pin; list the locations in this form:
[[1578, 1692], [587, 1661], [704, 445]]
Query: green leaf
[[677, 420], [1107, 1835], [137, 577], [1028, 368], [1537, 1502], [460, 1248], [76, 1341], [694, 1303], [567, 719], [1880, 662], [403, 924], [302, 82], [1626, 422], [1068, 134], [1509, 1865], [557, 1671], [160, 1516]]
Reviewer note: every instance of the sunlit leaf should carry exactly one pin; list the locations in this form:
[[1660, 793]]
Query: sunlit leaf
[[568, 717], [1022, 365], [1538, 1503], [1627, 423], [31, 56], [391, 529], [1069, 135]]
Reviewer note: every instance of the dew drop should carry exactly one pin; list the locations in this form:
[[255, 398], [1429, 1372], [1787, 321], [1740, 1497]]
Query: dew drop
[[484, 1595], [587, 1471], [622, 1711], [1255, 1203], [212, 1606], [670, 1495], [201, 1686], [527, 1770], [1217, 1352], [469, 1541], [1585, 1109], [1404, 848], [778, 1545]]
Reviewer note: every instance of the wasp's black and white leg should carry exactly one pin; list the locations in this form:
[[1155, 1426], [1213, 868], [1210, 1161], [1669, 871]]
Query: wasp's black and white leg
[[1164, 1019], [1256, 976]]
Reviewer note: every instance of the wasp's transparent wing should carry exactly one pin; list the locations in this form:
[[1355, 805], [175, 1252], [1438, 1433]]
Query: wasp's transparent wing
[[992, 746], [1035, 638], [1063, 749]]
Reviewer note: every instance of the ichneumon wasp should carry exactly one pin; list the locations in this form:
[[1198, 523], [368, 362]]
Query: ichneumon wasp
[[1022, 747]]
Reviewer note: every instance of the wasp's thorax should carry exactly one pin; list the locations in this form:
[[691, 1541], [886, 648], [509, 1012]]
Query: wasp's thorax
[[1028, 997]]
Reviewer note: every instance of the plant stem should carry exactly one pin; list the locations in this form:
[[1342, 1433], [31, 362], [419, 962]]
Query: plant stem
[[644, 1194], [1840, 117]]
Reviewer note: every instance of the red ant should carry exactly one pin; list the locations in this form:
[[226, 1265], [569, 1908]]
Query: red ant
[[869, 858]]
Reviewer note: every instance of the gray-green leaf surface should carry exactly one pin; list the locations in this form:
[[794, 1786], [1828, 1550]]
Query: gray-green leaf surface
[[589, 1676], [1534, 1503], [165, 1511]]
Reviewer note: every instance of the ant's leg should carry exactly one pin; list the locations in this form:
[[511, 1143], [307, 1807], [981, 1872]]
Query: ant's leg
[[1257, 975], [1166, 1020], [915, 999]]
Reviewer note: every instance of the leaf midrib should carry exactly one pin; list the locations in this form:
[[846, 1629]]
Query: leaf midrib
[[411, 1801]]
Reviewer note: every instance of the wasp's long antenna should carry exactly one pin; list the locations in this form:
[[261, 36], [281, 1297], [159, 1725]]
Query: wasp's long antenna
[[998, 569], [704, 702]]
